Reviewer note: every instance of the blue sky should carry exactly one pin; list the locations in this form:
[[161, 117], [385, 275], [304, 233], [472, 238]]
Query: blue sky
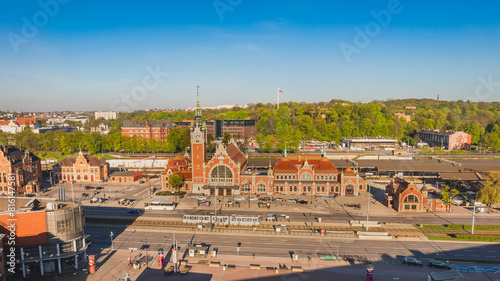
[[90, 55]]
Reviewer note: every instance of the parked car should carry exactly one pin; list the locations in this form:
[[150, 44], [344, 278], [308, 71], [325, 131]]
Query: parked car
[[411, 261], [252, 198], [265, 199], [133, 211], [303, 202], [85, 195], [99, 187], [141, 182], [291, 200], [439, 264], [201, 198], [241, 198], [89, 187], [278, 199]]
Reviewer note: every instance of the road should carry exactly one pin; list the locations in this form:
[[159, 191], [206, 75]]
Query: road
[[304, 246]]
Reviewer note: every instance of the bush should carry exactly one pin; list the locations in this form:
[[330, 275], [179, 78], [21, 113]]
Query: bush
[[170, 193]]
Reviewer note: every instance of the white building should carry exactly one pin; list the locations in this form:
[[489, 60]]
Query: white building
[[108, 115]]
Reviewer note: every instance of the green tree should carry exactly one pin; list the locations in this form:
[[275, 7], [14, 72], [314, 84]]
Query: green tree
[[490, 193], [448, 194], [175, 181], [226, 138]]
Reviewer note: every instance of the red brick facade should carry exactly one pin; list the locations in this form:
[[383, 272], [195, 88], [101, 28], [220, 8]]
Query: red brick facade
[[24, 166], [125, 176], [403, 196], [153, 129], [84, 168]]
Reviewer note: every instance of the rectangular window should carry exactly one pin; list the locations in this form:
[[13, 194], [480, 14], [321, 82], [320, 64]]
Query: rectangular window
[[407, 207]]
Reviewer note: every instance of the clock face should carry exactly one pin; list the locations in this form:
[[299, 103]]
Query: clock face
[[197, 135]]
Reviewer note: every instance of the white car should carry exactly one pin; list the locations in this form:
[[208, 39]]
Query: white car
[[252, 198], [201, 198], [239, 198]]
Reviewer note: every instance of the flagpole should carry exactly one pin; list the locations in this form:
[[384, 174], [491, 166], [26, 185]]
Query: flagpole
[[278, 98]]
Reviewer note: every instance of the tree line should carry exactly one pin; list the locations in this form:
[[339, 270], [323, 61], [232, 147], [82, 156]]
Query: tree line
[[330, 121], [292, 123], [93, 142]]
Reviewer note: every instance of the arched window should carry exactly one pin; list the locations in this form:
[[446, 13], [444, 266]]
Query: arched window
[[323, 188], [261, 187], [410, 199], [295, 188], [309, 189], [221, 175], [306, 176], [245, 187], [317, 188]]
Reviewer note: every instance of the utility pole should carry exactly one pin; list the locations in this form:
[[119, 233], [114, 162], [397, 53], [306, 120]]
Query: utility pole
[[473, 216], [72, 193], [368, 206], [111, 235]]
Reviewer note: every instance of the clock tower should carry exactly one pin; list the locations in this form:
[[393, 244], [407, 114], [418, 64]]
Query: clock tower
[[198, 147]]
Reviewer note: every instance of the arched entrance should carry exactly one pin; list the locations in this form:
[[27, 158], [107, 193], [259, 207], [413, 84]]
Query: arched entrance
[[349, 189]]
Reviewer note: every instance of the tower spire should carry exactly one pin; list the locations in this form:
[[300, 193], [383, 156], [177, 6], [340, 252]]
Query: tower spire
[[197, 95]]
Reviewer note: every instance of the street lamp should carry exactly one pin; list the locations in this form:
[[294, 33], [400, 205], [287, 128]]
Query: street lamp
[[111, 235]]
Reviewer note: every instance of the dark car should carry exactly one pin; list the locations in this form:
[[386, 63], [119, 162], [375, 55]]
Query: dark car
[[133, 211], [85, 195], [141, 182], [89, 187], [439, 264], [99, 187], [412, 261], [265, 199], [303, 202]]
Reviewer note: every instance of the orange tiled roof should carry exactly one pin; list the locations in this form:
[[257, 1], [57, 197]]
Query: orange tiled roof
[[285, 165], [325, 166]]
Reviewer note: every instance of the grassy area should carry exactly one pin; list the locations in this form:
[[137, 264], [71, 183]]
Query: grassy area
[[482, 238], [458, 227]]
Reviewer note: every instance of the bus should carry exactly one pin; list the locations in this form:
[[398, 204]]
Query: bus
[[159, 205]]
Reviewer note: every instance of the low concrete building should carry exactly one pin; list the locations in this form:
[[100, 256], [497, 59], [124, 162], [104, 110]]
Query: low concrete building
[[370, 143]]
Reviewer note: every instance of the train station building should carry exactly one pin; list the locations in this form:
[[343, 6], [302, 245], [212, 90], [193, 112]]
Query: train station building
[[228, 173]]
